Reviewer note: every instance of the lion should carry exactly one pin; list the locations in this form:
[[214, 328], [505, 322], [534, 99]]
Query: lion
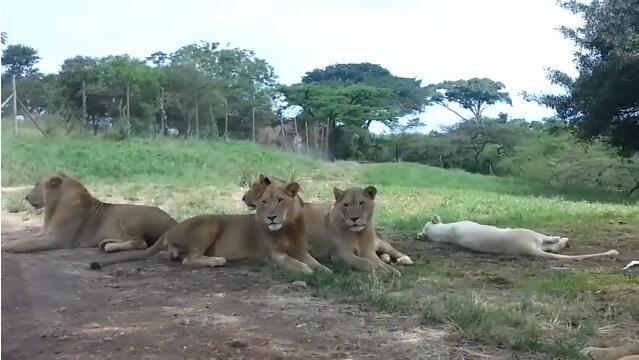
[[75, 219], [623, 352], [351, 230], [507, 241], [315, 214], [275, 233]]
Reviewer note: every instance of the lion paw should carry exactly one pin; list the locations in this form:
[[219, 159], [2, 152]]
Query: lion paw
[[102, 245], [110, 247], [405, 260], [591, 352], [217, 261], [385, 258]]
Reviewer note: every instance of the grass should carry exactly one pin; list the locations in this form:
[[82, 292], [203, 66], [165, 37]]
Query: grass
[[511, 303]]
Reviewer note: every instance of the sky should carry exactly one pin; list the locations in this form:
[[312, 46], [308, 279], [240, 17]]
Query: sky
[[511, 41]]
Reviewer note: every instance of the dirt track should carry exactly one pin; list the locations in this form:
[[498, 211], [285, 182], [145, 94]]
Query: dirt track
[[54, 307]]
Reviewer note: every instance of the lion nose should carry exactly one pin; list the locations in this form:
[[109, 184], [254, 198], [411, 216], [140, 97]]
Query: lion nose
[[353, 219], [272, 218], [243, 198]]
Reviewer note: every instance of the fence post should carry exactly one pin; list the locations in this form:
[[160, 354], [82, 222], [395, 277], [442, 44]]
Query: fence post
[[308, 151], [226, 119], [84, 103], [15, 105], [253, 123]]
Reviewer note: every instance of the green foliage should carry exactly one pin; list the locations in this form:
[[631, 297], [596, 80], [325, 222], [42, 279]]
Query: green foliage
[[19, 60], [407, 95], [474, 95], [601, 103]]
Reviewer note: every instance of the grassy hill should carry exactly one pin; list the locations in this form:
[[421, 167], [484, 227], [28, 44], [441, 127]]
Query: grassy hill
[[506, 302]]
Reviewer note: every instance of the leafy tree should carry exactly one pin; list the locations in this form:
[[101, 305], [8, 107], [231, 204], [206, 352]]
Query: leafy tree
[[406, 94], [19, 60], [603, 101], [474, 95]]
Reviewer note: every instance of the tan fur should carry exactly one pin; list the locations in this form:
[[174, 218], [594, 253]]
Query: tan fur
[[315, 214], [351, 230], [276, 233], [74, 219], [622, 352]]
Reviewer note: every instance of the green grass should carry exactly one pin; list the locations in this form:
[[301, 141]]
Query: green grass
[[511, 303]]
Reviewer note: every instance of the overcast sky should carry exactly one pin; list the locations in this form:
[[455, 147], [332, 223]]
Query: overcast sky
[[511, 41]]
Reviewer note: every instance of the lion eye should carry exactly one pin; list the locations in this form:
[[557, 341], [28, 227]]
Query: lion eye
[[346, 206], [361, 203], [264, 202], [279, 200]]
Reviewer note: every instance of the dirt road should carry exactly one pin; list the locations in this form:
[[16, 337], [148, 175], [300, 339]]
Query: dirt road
[[53, 307]]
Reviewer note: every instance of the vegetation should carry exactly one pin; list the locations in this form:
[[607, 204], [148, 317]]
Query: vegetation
[[603, 101], [512, 303]]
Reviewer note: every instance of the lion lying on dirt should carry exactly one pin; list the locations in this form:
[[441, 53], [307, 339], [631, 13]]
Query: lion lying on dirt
[[351, 229], [276, 233], [491, 239], [74, 219], [623, 352], [315, 215]]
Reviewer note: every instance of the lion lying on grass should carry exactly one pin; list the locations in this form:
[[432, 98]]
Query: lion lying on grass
[[623, 352], [491, 239], [315, 215], [276, 233], [74, 219]]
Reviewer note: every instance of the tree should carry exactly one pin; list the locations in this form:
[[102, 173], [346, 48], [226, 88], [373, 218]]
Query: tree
[[602, 102], [406, 94], [474, 95], [19, 60]]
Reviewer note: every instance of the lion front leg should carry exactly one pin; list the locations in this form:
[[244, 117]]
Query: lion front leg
[[284, 261], [37, 243], [309, 260], [113, 245]]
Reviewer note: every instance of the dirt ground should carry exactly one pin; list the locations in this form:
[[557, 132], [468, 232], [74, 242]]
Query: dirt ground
[[53, 307]]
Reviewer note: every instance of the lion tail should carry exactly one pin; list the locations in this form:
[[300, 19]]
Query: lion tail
[[133, 255]]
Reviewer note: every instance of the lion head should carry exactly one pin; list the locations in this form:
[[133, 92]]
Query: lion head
[[423, 235], [355, 206], [252, 196], [50, 189], [277, 204]]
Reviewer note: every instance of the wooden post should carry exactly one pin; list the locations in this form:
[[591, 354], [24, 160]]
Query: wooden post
[[328, 130], [253, 123], [15, 105], [308, 151], [282, 130], [163, 114], [197, 117], [226, 119], [441, 161], [128, 106], [396, 152], [24, 108], [84, 103]]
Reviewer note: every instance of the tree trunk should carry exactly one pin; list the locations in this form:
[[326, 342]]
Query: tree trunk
[[282, 130], [84, 103], [308, 151], [128, 109]]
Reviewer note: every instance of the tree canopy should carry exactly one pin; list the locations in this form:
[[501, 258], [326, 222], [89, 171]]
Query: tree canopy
[[19, 60], [602, 102], [474, 95]]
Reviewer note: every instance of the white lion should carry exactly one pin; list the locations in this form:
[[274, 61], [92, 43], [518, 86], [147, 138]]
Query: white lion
[[491, 239]]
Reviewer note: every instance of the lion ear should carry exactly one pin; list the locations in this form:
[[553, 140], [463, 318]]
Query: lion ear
[[292, 189], [371, 191], [54, 181], [264, 180], [339, 194], [436, 219]]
